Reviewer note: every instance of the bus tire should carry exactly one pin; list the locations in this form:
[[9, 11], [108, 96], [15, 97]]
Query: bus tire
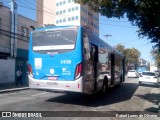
[[105, 85], [140, 83]]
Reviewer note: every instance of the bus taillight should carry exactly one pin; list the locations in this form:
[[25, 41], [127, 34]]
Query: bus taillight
[[29, 68], [78, 70]]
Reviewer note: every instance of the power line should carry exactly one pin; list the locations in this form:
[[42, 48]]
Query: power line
[[10, 34]]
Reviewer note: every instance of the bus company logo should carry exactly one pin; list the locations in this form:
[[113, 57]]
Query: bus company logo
[[52, 71], [63, 69], [6, 114]]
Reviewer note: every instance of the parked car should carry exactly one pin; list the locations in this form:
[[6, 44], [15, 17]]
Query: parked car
[[132, 73], [103, 74], [148, 77]]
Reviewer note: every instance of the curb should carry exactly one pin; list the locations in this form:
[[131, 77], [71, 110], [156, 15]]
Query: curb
[[13, 89]]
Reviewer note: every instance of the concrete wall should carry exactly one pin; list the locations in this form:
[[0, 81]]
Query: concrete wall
[[24, 22], [7, 71], [5, 25]]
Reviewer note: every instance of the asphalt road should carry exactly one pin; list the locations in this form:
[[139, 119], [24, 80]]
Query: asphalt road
[[127, 97]]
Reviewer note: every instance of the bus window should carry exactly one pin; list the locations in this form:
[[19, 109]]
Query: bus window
[[59, 40], [86, 47], [103, 55]]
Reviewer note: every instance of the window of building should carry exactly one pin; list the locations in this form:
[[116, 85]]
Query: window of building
[[60, 21], [69, 19], [57, 13], [64, 11], [72, 9], [57, 4], [60, 3], [60, 12], [64, 2], [69, 1], [57, 21], [76, 8], [72, 18], [76, 18], [69, 10], [25, 32], [64, 20]]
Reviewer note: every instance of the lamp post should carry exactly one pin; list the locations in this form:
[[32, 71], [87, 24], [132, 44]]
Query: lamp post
[[106, 36]]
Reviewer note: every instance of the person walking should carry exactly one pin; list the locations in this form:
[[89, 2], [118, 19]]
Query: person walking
[[19, 76]]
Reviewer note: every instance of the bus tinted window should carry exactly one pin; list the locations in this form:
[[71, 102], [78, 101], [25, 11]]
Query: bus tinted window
[[54, 40]]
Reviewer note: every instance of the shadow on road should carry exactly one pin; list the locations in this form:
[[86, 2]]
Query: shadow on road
[[117, 94], [153, 98], [150, 85]]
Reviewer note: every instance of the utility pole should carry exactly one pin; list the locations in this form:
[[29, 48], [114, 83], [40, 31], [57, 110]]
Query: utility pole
[[13, 29]]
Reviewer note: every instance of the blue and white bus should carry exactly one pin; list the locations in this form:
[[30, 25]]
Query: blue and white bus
[[71, 58]]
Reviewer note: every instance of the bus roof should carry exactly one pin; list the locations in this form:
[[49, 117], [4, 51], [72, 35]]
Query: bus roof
[[53, 26]]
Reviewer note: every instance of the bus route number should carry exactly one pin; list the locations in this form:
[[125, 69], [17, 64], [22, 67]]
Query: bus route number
[[65, 61]]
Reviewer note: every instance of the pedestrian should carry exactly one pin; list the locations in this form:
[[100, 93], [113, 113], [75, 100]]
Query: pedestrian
[[19, 76]]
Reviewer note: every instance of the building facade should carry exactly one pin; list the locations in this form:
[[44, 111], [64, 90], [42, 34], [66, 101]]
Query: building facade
[[13, 44], [66, 12]]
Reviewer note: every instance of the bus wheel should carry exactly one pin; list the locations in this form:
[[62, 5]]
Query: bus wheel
[[105, 85]]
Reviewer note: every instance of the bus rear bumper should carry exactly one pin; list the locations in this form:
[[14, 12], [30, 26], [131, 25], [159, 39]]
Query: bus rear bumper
[[72, 86]]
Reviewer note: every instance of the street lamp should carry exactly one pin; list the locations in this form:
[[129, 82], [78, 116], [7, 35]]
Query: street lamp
[[106, 36]]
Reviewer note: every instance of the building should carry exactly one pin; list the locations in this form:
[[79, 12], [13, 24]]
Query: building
[[66, 12], [142, 61], [14, 41]]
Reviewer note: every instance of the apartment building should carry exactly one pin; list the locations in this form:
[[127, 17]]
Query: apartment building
[[66, 12], [13, 44]]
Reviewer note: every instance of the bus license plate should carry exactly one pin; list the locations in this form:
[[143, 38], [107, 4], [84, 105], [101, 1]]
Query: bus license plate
[[52, 78], [52, 83]]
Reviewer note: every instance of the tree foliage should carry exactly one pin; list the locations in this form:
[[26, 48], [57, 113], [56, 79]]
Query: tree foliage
[[132, 54], [156, 56], [143, 13]]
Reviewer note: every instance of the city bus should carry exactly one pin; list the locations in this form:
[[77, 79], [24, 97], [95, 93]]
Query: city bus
[[142, 68], [73, 59]]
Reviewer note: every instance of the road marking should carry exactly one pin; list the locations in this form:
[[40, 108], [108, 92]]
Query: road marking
[[7, 94], [24, 91], [40, 94]]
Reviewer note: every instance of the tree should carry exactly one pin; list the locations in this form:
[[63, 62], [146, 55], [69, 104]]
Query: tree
[[132, 54], [143, 13], [121, 48], [156, 57]]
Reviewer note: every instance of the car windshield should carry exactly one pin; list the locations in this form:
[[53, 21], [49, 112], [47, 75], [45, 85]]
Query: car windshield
[[104, 73], [132, 71], [148, 73]]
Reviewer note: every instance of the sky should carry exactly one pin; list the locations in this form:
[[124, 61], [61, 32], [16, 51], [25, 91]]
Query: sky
[[120, 31], [123, 32]]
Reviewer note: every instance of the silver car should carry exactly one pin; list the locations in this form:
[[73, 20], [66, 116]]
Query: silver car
[[148, 77], [132, 73]]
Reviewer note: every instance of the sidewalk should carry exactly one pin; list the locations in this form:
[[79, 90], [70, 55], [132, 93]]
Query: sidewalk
[[11, 87]]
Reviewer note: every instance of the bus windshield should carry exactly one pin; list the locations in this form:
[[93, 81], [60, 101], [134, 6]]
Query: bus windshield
[[54, 40]]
